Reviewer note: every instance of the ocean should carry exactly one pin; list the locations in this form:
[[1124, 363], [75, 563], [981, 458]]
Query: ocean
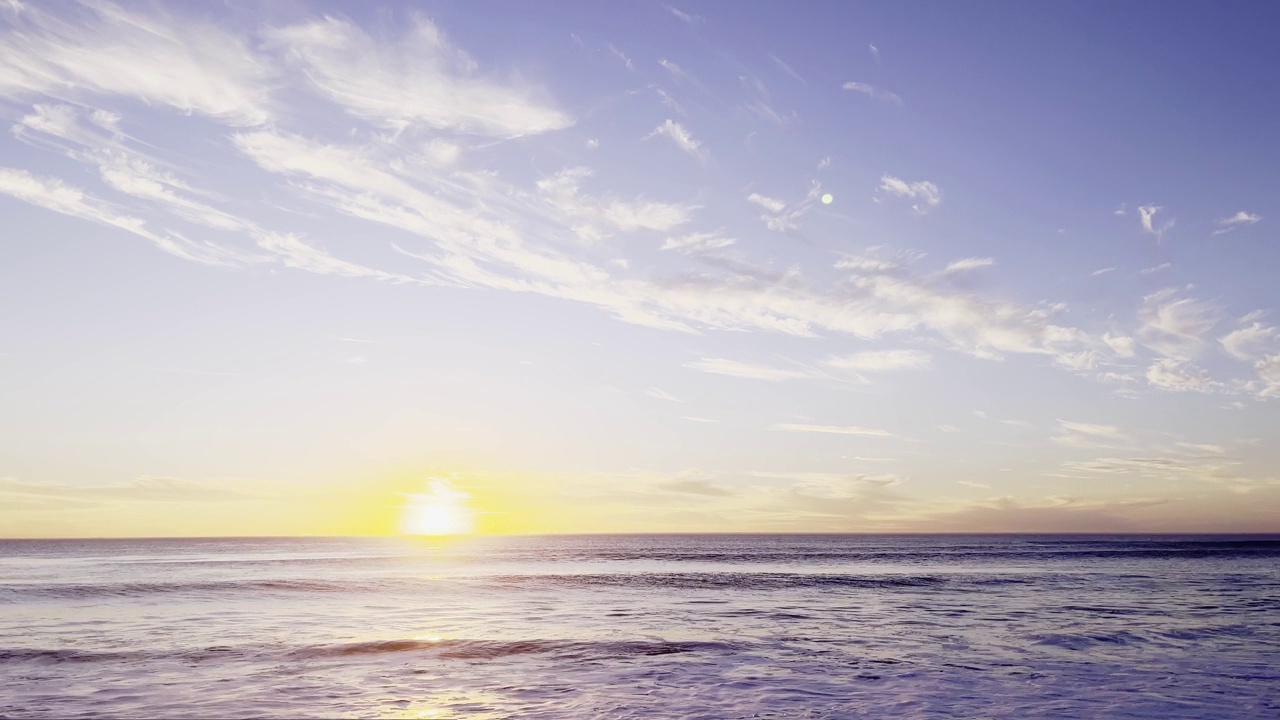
[[645, 627]]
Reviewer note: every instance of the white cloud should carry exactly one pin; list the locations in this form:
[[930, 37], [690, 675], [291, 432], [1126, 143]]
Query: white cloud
[[698, 242], [787, 69], [781, 216], [1247, 343], [402, 83], [1173, 466], [439, 152], [734, 368], [875, 53], [1083, 360], [684, 16], [835, 430], [106, 120], [873, 92], [1122, 345], [53, 194], [773, 205], [1155, 269], [972, 263], [866, 265], [1102, 271], [622, 56], [695, 418], [878, 360], [1175, 326], [1148, 214], [660, 394], [925, 193], [134, 176], [683, 139], [56, 120], [1268, 383], [676, 71], [187, 64], [668, 100], [1180, 376], [297, 254], [1240, 218], [1075, 434], [142, 489], [604, 215], [1122, 210], [121, 169]]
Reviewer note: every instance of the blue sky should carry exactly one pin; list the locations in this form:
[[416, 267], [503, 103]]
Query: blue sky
[[724, 266]]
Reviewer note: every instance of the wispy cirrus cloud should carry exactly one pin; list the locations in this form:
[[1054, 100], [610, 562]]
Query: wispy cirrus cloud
[[880, 360], [1180, 375], [787, 69], [1173, 325], [682, 138], [142, 489], [660, 394], [1203, 463], [1147, 216], [1251, 341], [698, 242], [972, 263], [783, 216], [749, 371], [676, 71], [836, 430], [1240, 219], [104, 50], [626, 61], [594, 218], [1085, 435], [684, 16], [398, 82], [925, 194], [60, 197], [873, 92]]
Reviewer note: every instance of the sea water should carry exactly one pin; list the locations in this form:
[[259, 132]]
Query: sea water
[[745, 626]]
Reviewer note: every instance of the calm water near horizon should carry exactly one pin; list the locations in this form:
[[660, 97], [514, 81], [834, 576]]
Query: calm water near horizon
[[663, 626]]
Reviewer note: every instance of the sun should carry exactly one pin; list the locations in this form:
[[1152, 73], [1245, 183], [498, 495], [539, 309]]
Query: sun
[[441, 510]]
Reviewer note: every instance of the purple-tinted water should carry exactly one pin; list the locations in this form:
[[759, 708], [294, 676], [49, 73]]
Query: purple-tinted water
[[643, 627]]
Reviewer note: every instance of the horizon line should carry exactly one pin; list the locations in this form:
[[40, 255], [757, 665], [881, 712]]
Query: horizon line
[[1126, 533]]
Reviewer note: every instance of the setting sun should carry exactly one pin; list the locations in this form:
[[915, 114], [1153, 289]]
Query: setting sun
[[441, 510]]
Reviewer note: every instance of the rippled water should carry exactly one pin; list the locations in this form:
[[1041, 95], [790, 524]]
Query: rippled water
[[643, 627]]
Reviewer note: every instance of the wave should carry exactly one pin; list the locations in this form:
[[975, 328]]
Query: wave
[[1089, 641], [455, 648], [725, 580], [74, 591], [491, 649], [1028, 550], [750, 581]]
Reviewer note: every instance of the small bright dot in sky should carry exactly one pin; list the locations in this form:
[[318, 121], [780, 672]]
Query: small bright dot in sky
[[826, 199]]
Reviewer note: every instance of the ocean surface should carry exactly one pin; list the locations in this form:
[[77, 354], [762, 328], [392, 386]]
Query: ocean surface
[[643, 627]]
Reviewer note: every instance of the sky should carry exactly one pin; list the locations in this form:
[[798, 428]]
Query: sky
[[288, 268]]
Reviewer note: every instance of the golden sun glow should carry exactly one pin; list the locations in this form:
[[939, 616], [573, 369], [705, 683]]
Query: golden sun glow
[[440, 510]]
